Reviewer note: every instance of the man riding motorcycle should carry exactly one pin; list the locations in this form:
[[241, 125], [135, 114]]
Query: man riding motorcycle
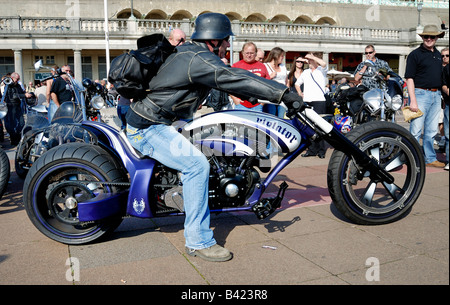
[[180, 86]]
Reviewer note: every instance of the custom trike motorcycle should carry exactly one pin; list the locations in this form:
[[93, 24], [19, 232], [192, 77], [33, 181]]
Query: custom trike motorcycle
[[77, 192]]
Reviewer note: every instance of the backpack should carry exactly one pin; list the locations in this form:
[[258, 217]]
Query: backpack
[[131, 72]]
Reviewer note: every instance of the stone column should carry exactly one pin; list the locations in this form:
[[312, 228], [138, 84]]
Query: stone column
[[78, 68], [326, 57], [401, 65], [18, 64]]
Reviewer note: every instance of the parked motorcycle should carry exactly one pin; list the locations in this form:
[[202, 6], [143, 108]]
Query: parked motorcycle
[[39, 135], [359, 105], [77, 192]]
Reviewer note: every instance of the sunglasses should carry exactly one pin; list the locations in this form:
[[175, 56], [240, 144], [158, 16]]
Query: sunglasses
[[429, 37], [299, 61], [445, 55], [367, 53]]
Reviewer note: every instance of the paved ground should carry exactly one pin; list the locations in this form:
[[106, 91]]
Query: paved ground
[[309, 243]]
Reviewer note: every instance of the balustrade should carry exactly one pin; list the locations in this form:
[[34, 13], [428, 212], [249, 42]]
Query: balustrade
[[246, 30]]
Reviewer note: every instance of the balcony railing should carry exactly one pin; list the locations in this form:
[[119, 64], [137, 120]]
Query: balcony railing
[[403, 3], [18, 26]]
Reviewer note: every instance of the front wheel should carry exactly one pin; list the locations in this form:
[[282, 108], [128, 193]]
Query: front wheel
[[366, 201], [61, 178]]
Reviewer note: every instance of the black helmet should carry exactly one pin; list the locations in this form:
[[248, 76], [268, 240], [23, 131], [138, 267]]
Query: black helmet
[[87, 82], [212, 26]]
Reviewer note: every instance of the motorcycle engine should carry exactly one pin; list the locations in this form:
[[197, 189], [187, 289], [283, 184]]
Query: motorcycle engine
[[229, 184], [372, 100]]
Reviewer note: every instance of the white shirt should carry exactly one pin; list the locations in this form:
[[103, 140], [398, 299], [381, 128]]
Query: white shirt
[[41, 95], [281, 76], [312, 92]]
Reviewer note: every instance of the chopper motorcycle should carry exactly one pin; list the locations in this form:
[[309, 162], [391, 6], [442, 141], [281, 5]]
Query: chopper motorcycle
[[39, 135], [77, 193], [359, 105]]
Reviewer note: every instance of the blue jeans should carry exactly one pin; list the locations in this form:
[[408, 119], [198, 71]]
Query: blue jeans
[[122, 113], [446, 130], [430, 104], [256, 108], [275, 110], [170, 148]]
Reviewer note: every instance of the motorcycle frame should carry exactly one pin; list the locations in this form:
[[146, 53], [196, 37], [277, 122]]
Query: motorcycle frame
[[140, 169], [141, 172]]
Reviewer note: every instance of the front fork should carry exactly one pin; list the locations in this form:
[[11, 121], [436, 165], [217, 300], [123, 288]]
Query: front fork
[[266, 206], [340, 142], [363, 161]]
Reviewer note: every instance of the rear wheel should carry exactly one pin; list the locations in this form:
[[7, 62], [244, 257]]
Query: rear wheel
[[61, 178], [367, 201]]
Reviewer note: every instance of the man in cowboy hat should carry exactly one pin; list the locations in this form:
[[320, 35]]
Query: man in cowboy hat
[[424, 79]]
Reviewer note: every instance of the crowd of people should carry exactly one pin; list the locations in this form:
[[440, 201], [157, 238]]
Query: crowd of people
[[307, 77], [51, 93]]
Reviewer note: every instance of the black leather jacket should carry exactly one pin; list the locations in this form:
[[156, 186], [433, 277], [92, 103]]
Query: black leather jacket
[[184, 81]]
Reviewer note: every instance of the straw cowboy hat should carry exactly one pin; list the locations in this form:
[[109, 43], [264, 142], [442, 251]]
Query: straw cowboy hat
[[432, 30]]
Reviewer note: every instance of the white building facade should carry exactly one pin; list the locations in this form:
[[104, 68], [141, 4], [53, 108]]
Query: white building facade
[[73, 31]]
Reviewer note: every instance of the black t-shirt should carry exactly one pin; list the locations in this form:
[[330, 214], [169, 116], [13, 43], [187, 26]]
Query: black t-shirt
[[425, 67], [62, 89]]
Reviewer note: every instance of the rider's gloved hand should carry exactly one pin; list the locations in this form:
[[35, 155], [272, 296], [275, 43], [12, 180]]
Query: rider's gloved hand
[[253, 100], [294, 102]]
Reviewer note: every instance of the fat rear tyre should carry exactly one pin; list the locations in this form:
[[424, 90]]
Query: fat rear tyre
[[368, 202], [66, 174]]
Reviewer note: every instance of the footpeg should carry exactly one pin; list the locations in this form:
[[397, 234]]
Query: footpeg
[[268, 205]]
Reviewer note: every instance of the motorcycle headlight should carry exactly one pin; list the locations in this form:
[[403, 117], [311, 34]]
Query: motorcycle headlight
[[372, 99], [396, 102], [97, 102]]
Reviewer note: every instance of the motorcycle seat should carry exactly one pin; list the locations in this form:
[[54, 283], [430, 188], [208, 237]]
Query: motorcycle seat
[[135, 152]]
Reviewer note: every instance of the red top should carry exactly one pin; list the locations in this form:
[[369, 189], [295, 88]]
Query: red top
[[257, 68]]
